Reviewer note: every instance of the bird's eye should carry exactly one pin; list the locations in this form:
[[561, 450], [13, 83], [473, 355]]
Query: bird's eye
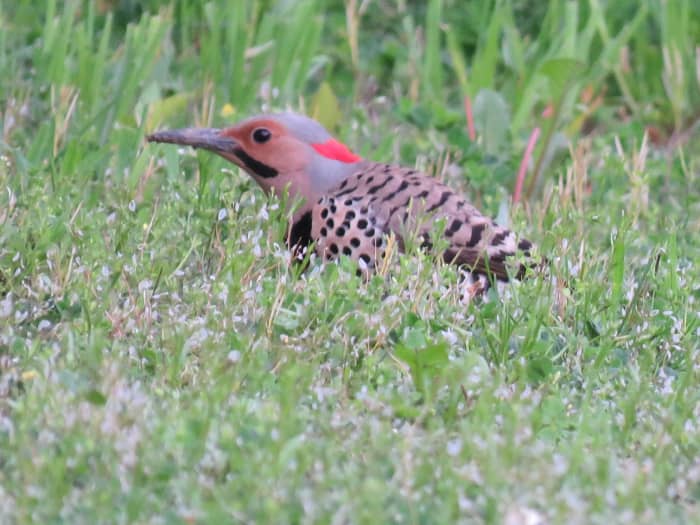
[[261, 135]]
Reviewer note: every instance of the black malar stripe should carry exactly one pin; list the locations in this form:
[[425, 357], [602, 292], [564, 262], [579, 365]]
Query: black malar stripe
[[257, 167]]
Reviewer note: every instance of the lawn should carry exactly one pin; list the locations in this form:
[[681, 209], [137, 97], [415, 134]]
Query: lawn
[[161, 361]]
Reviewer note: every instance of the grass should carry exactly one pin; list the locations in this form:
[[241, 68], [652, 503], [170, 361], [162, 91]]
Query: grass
[[160, 361]]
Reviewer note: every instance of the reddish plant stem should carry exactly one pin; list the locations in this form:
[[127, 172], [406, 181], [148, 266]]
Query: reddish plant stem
[[522, 171], [470, 118]]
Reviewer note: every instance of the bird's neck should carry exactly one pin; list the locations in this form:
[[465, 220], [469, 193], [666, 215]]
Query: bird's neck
[[323, 177], [326, 174]]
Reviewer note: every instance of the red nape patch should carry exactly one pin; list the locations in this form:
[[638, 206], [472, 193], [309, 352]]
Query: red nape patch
[[332, 149]]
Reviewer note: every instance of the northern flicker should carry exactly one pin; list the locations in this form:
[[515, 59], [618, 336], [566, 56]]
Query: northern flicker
[[349, 205]]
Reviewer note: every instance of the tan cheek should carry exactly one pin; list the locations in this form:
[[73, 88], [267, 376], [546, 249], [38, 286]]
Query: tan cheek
[[287, 155], [295, 162]]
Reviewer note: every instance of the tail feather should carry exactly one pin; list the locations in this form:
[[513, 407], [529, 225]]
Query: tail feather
[[496, 256]]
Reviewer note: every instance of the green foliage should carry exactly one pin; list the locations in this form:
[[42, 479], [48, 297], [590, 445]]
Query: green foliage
[[162, 361]]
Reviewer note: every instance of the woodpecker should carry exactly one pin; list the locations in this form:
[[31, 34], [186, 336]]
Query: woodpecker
[[350, 206]]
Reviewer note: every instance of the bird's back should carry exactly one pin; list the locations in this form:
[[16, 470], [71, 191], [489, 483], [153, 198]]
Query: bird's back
[[355, 218]]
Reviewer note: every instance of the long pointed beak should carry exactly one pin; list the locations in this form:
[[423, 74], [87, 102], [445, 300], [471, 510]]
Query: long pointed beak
[[206, 138]]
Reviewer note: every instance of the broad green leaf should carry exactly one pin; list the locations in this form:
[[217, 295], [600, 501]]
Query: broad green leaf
[[405, 354], [486, 59], [415, 339], [457, 59], [559, 72], [325, 107], [432, 63], [165, 109], [492, 120], [617, 268], [95, 397], [434, 356]]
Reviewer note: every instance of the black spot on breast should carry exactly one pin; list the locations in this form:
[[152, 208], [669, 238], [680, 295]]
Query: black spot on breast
[[324, 213], [362, 224], [347, 250], [340, 231], [378, 241], [355, 242], [334, 248], [369, 232], [324, 232], [350, 215], [365, 257], [348, 202], [333, 208], [330, 223]]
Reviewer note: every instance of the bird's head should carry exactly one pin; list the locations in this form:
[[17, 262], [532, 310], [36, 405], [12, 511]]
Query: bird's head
[[280, 151]]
